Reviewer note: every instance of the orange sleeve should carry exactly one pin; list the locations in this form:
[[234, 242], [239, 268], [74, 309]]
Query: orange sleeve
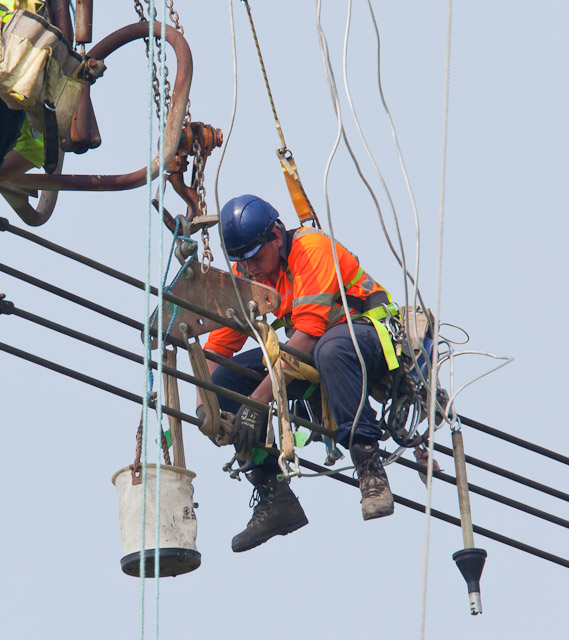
[[225, 341]]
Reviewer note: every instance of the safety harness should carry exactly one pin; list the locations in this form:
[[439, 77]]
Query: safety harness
[[376, 308]]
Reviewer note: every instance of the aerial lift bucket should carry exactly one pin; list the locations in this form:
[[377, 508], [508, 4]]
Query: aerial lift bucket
[[177, 527]]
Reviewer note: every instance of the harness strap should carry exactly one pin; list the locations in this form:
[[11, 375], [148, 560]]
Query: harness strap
[[384, 338], [300, 200], [304, 208], [271, 342]]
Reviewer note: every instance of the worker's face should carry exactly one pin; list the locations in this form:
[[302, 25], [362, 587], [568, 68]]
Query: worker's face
[[265, 264]]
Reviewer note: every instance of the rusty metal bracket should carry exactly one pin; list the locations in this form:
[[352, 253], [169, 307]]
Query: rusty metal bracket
[[214, 291], [174, 121], [18, 199]]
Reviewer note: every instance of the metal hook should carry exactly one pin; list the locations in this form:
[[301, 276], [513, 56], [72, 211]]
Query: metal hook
[[234, 473]]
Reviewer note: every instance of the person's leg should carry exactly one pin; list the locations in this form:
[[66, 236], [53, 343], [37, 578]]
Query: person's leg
[[276, 511], [341, 375], [238, 382]]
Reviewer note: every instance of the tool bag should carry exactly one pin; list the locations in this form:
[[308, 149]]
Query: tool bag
[[40, 73]]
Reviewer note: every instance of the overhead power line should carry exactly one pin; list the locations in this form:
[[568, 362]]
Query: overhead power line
[[88, 339], [4, 226], [127, 395]]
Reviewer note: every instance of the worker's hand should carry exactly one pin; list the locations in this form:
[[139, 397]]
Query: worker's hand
[[247, 428]]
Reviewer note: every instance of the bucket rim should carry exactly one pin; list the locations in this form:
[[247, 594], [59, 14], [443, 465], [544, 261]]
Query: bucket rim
[[152, 465]]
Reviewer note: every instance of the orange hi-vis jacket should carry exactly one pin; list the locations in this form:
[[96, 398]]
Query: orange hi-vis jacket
[[308, 287]]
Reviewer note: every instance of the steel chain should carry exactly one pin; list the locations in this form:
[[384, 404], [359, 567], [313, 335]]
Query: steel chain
[[207, 257], [174, 17], [200, 189]]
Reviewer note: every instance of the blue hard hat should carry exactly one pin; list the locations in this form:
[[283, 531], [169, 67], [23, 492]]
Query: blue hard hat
[[246, 222]]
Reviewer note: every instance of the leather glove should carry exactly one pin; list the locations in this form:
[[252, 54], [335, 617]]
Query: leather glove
[[247, 428]]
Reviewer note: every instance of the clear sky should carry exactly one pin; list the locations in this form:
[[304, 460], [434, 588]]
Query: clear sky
[[504, 270]]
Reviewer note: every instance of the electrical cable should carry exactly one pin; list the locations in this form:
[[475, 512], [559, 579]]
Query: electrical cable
[[410, 312], [123, 353], [88, 339], [504, 473], [514, 440], [400, 156], [492, 495], [435, 366], [329, 73], [187, 418], [88, 304], [248, 372], [244, 311], [401, 260], [104, 386], [222, 320], [440, 515]]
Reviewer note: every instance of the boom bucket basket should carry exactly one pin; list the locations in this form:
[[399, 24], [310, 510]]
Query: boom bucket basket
[[178, 524]]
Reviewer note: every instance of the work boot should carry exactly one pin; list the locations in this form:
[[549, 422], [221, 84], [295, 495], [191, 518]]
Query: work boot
[[276, 511], [377, 499]]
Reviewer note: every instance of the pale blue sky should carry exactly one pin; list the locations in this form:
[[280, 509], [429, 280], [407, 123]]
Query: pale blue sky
[[504, 266]]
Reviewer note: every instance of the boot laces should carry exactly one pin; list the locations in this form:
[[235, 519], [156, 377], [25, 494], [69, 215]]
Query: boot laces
[[372, 478], [260, 505], [255, 499]]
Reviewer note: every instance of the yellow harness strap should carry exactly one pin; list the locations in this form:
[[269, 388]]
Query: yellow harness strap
[[375, 315]]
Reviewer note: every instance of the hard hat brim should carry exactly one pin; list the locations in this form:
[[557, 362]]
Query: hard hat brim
[[247, 255]]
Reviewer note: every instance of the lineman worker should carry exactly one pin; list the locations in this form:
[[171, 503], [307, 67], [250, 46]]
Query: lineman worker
[[299, 265], [21, 147]]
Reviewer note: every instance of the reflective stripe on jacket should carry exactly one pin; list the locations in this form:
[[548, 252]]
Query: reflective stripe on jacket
[[308, 287]]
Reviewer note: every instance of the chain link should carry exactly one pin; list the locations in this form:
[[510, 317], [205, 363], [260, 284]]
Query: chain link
[[139, 10], [200, 189], [175, 18], [207, 258]]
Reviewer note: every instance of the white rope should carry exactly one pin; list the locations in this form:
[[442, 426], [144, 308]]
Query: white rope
[[434, 369], [160, 337], [400, 259], [339, 134], [147, 371], [471, 352], [147, 342], [244, 311], [414, 280]]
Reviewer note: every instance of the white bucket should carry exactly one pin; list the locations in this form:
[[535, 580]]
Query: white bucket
[[178, 524]]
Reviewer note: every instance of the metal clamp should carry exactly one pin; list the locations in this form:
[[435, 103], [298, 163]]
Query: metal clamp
[[235, 472], [287, 472], [184, 248]]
